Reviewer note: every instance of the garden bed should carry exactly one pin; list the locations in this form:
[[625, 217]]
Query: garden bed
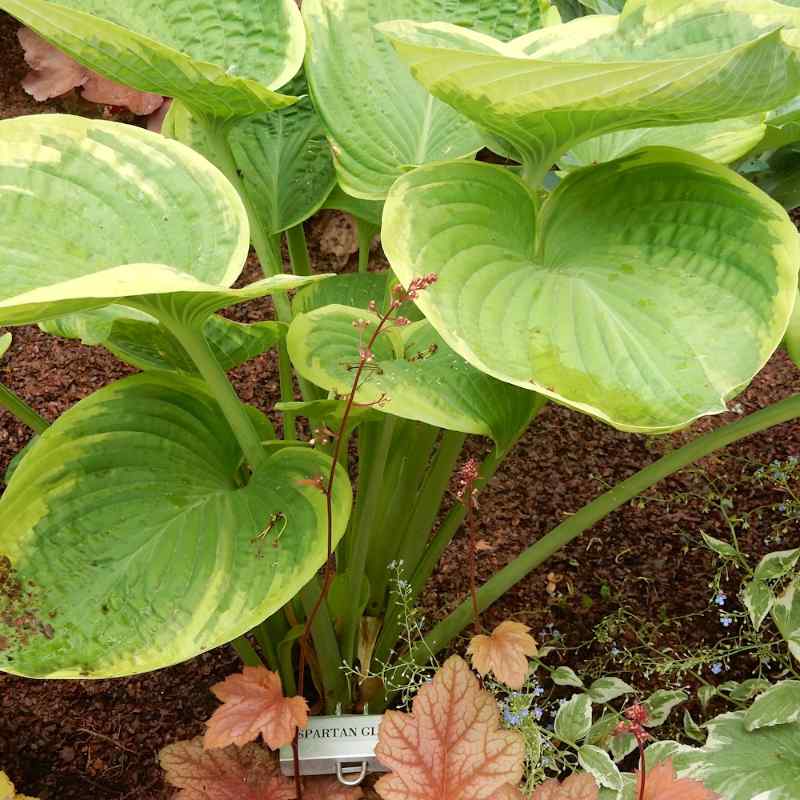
[[66, 739]]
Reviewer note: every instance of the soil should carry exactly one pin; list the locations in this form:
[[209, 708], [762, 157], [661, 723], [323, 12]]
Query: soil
[[72, 739]]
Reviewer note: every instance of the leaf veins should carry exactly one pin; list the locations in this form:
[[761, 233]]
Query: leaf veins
[[451, 745], [253, 704]]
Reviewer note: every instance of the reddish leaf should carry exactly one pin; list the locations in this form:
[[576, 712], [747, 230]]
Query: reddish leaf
[[98, 89], [246, 773], [329, 788], [662, 784], [580, 786], [504, 653], [253, 704], [54, 73], [451, 745]]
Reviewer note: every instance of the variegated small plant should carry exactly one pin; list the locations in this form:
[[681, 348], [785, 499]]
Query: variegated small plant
[[615, 265]]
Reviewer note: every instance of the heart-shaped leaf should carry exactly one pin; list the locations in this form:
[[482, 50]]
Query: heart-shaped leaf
[[356, 290], [283, 157], [777, 564], [743, 765], [660, 62], [139, 339], [451, 745], [722, 141], [414, 374], [134, 543], [779, 705], [122, 215], [758, 599], [380, 121], [226, 59], [646, 292], [597, 762], [286, 161], [574, 719], [786, 614]]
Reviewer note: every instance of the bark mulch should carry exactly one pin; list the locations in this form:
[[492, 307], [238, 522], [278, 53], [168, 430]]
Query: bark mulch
[[73, 739]]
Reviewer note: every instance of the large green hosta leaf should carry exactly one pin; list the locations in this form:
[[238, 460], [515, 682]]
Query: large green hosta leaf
[[96, 212], [661, 62], [224, 58], [283, 157], [135, 542], [141, 340], [740, 765], [380, 121], [723, 141], [414, 374], [646, 292]]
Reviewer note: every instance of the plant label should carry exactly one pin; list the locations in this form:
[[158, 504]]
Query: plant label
[[342, 746]]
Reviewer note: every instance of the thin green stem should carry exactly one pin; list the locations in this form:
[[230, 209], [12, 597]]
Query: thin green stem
[[265, 244], [406, 471], [326, 647], [247, 652], [287, 391], [21, 410], [416, 537], [268, 634], [452, 625], [267, 247], [298, 250], [363, 530], [366, 233], [232, 407]]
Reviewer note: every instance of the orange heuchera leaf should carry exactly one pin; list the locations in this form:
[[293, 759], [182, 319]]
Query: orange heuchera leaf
[[662, 784], [240, 773], [451, 745], [253, 704], [580, 786], [53, 72], [98, 89], [505, 653], [329, 788], [246, 773]]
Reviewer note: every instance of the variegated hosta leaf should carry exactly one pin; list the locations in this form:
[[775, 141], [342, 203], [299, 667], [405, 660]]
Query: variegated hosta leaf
[[418, 376], [286, 161], [141, 340], [646, 292], [659, 63], [283, 157], [136, 543], [355, 290], [225, 59], [723, 141], [380, 121], [743, 765], [97, 212]]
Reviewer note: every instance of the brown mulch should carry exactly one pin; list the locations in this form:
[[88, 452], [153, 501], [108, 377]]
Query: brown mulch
[[73, 739]]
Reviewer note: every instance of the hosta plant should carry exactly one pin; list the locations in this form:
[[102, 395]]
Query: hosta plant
[[160, 516]]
